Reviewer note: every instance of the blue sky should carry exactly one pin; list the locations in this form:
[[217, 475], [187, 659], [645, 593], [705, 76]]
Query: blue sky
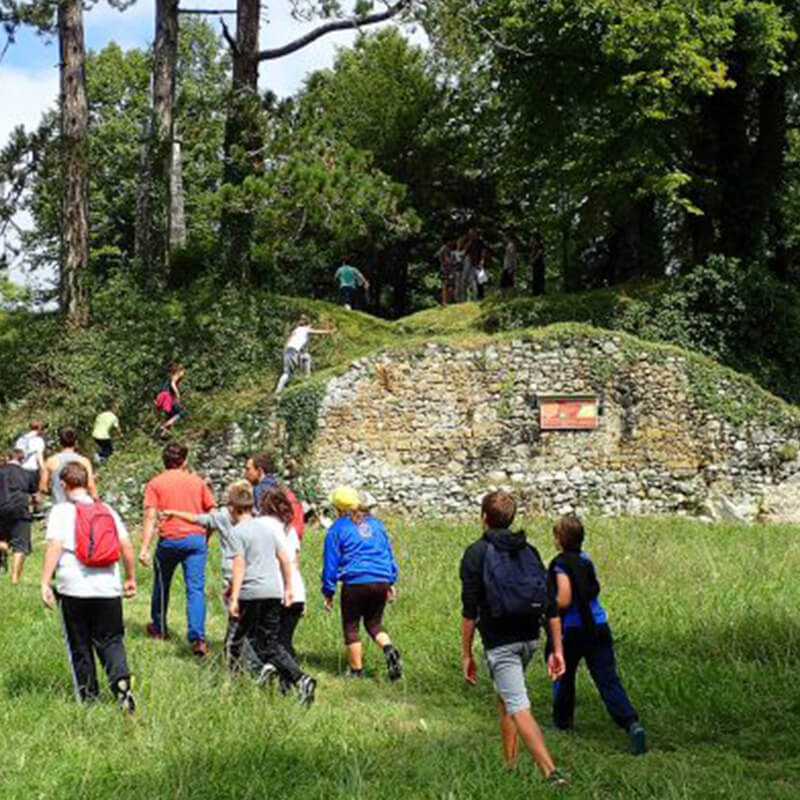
[[29, 70]]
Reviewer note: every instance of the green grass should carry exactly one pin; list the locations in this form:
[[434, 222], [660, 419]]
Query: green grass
[[708, 643]]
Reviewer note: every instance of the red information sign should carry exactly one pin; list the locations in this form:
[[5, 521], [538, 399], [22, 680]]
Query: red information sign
[[567, 412]]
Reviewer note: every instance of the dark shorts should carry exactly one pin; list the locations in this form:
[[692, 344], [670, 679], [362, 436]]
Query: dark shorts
[[506, 280], [16, 530], [365, 601], [104, 447], [346, 294]]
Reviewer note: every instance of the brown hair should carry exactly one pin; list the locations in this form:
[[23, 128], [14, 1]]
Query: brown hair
[[75, 476], [275, 503], [36, 425], [499, 508], [240, 496], [569, 533], [67, 437], [174, 454], [263, 461]]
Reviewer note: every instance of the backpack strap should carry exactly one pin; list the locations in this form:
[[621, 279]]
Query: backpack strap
[[585, 586]]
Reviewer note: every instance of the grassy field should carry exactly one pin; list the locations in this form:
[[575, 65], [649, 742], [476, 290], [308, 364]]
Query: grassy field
[[708, 640]]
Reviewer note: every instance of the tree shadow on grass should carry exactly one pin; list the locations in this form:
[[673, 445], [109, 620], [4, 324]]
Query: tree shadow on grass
[[23, 683]]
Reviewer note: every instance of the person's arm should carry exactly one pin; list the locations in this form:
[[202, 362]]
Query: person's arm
[[186, 516], [148, 529], [51, 556], [330, 565], [563, 591], [322, 332], [40, 459], [91, 486], [236, 585], [44, 477], [468, 664], [286, 573], [556, 665], [129, 564], [362, 280]]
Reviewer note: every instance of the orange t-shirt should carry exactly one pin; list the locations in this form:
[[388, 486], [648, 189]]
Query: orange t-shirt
[[178, 490]]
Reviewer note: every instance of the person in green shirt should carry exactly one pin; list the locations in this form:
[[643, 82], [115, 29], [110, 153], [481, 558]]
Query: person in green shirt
[[104, 423], [349, 278]]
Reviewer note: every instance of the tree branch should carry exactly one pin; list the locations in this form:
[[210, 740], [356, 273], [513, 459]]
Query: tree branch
[[208, 11], [228, 38], [331, 27]]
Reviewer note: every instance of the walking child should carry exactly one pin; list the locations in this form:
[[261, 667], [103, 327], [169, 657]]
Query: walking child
[[295, 354], [85, 540], [359, 554], [262, 584], [586, 635]]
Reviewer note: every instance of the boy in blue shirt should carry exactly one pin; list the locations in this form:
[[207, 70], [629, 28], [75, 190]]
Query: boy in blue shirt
[[359, 554], [586, 635]]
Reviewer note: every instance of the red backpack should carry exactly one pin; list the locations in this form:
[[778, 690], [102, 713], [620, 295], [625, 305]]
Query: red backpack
[[96, 537], [164, 402]]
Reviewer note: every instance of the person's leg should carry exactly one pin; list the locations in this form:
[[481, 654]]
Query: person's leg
[[305, 364], [164, 562], [373, 609], [508, 734], [76, 627], [507, 667], [564, 687], [239, 652], [194, 576], [290, 617], [108, 639], [20, 545], [351, 616], [4, 555], [267, 644], [603, 669]]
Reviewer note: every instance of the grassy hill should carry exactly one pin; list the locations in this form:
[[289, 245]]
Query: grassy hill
[[708, 653]]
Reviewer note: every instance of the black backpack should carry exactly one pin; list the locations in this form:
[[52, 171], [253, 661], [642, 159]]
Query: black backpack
[[515, 582], [10, 499]]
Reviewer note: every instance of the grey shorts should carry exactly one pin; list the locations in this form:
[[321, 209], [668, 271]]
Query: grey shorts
[[507, 665], [293, 360]]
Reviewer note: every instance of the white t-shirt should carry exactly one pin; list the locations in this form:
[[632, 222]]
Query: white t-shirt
[[292, 549], [30, 443], [299, 338], [73, 578]]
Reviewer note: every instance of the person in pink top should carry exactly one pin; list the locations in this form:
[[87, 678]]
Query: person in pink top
[[179, 542]]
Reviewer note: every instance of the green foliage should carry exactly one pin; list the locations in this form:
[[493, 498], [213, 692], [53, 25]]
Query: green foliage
[[299, 408], [743, 317], [695, 636]]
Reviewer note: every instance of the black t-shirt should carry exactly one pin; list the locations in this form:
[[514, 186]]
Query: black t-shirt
[[494, 631], [15, 485]]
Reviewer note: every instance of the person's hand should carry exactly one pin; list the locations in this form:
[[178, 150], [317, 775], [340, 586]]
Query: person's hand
[[391, 595], [470, 669], [555, 666], [129, 588], [145, 559], [233, 609], [48, 598], [327, 602], [288, 598]]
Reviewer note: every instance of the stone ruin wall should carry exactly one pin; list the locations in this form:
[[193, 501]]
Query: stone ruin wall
[[430, 432]]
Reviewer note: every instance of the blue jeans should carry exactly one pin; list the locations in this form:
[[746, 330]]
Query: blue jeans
[[191, 552], [599, 656]]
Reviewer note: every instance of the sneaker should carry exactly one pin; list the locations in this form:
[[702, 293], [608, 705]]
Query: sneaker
[[557, 779], [154, 633], [267, 675], [199, 648], [636, 736], [354, 674], [306, 687], [125, 697], [394, 666]]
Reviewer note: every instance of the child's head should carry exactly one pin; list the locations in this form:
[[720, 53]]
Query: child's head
[[67, 437], [303, 320], [568, 533], [345, 500], [275, 503], [174, 455], [74, 476], [498, 510], [240, 499]]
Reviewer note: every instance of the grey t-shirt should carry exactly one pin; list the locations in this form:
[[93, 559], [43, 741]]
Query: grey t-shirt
[[260, 540], [220, 520]]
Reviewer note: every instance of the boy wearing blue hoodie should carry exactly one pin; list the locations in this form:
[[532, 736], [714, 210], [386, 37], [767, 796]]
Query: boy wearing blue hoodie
[[359, 554]]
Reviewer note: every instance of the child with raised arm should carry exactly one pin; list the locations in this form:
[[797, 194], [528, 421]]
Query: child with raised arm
[[262, 584], [586, 635], [295, 354]]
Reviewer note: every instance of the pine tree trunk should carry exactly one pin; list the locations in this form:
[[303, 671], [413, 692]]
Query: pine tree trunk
[[75, 164], [243, 141]]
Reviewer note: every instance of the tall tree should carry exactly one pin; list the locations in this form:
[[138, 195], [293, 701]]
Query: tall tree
[[75, 163]]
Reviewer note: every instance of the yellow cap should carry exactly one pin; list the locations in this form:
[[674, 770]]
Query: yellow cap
[[345, 498]]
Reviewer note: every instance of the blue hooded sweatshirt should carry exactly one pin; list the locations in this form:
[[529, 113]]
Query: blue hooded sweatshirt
[[357, 554]]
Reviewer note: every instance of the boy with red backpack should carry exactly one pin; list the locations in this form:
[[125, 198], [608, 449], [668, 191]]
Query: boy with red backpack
[[85, 541]]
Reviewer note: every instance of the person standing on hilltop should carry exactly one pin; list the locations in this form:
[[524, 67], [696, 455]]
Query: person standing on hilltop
[[349, 279], [179, 543], [295, 354]]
